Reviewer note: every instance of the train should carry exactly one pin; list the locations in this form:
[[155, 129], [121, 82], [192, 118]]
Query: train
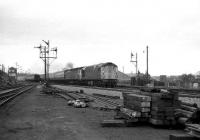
[[33, 78], [103, 74]]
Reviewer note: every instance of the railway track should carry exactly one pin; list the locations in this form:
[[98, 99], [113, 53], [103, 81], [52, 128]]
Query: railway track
[[105, 102], [193, 93], [102, 102], [2, 88], [131, 88], [138, 88], [181, 94], [104, 88], [10, 94], [184, 95]]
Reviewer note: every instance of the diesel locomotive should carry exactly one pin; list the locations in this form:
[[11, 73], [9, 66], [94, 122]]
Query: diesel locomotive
[[103, 74]]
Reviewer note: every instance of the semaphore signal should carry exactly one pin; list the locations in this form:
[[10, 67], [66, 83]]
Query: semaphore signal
[[45, 56]]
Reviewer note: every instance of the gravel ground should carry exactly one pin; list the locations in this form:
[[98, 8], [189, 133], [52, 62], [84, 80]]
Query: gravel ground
[[37, 116]]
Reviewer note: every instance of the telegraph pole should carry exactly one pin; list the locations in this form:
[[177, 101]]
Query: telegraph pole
[[136, 64], [16, 70], [47, 58], [44, 55], [2, 68], [147, 64], [45, 63]]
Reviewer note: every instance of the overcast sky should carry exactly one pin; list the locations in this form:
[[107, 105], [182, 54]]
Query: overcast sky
[[88, 32]]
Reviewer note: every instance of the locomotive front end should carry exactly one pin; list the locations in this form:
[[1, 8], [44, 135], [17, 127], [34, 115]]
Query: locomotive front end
[[109, 74]]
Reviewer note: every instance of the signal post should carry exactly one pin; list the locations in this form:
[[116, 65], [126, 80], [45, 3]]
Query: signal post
[[45, 56]]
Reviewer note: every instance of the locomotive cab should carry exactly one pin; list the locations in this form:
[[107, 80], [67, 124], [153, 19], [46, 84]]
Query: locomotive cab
[[109, 74]]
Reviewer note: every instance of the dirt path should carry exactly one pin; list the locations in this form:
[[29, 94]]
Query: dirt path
[[36, 116]]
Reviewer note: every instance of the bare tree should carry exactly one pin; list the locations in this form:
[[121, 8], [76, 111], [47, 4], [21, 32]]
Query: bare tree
[[186, 79]]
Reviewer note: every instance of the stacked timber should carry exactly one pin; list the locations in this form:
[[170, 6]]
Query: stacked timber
[[182, 137], [189, 115], [194, 130], [138, 103], [187, 112], [163, 107]]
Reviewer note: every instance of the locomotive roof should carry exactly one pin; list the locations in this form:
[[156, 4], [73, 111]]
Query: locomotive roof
[[74, 68], [12, 68], [96, 65], [102, 64]]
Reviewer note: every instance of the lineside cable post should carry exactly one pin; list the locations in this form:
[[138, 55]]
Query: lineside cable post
[[45, 55]]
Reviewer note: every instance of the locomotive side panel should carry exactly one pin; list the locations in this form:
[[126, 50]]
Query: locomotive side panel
[[73, 74], [68, 74], [92, 73], [59, 75]]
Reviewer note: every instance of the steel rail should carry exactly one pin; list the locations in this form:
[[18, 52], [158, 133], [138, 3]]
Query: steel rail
[[106, 102], [131, 88], [15, 94], [5, 92]]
